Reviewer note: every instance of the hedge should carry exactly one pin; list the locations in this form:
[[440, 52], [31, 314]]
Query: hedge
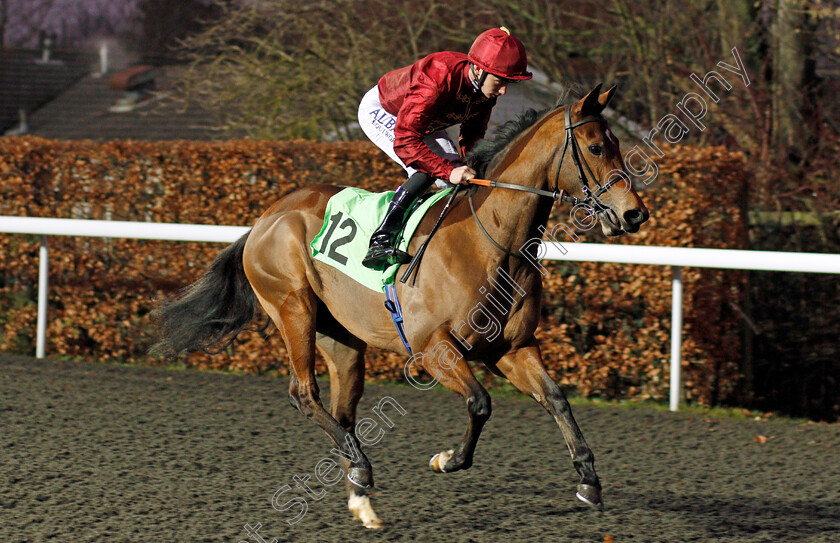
[[606, 327]]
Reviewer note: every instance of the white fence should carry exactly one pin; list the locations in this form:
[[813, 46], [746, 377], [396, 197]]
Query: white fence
[[676, 257]]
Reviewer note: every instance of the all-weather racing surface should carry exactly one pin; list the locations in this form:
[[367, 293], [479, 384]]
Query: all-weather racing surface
[[95, 452]]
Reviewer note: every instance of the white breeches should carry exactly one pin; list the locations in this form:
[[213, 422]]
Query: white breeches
[[378, 125]]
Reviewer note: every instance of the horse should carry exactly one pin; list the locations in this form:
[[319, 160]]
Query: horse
[[474, 258]]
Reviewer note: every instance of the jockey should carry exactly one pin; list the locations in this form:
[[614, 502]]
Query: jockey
[[406, 113]]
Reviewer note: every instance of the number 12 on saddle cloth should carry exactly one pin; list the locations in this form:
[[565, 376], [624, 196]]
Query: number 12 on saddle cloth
[[351, 217]]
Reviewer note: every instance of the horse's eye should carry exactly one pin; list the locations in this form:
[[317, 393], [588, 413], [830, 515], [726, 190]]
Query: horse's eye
[[596, 150]]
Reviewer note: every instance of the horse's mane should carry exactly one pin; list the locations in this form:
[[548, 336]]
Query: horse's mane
[[485, 150]]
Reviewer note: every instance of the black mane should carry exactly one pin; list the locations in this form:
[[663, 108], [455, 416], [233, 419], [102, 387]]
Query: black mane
[[484, 151]]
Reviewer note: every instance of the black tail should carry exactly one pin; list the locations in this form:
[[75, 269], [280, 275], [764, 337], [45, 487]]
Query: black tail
[[210, 312]]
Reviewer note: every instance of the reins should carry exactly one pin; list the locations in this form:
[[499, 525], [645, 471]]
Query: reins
[[590, 198], [490, 183]]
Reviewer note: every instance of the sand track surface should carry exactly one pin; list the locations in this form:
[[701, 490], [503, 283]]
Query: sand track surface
[[95, 452]]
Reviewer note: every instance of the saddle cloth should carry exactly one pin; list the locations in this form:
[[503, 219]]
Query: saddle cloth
[[351, 217]]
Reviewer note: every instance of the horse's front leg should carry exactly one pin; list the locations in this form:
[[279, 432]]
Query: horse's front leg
[[445, 361], [525, 370]]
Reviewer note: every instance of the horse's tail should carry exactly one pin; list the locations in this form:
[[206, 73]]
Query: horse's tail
[[210, 312]]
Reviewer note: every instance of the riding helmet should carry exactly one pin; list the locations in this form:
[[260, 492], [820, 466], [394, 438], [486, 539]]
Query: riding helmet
[[497, 52]]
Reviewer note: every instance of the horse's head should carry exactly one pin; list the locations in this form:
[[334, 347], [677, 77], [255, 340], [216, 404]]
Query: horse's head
[[594, 156]]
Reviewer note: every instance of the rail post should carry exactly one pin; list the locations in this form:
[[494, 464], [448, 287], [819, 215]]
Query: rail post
[[676, 336], [43, 276]]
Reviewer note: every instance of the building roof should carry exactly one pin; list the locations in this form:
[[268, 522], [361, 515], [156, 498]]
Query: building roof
[[65, 99], [94, 109], [28, 80]]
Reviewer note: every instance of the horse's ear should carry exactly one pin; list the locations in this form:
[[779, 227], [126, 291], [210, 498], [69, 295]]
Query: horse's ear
[[605, 98], [591, 105], [594, 103]]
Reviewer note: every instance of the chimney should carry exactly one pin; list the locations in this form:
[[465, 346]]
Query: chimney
[[103, 60], [46, 41], [22, 128]]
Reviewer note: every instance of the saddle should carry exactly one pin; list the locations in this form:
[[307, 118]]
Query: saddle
[[351, 217]]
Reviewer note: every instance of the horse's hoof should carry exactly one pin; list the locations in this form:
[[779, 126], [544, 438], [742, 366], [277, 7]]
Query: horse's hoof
[[590, 495], [438, 461], [360, 477], [361, 508], [373, 524]]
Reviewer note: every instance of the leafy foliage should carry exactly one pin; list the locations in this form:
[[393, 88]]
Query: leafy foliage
[[605, 330], [284, 70]]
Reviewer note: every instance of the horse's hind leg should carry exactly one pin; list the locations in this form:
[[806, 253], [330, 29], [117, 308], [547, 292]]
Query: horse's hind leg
[[525, 370], [344, 355], [447, 364], [295, 319]]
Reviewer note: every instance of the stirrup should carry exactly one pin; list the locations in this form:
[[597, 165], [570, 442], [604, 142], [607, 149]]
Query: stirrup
[[385, 258], [383, 253]]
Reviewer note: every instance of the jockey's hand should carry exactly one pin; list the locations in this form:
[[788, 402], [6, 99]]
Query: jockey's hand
[[461, 175]]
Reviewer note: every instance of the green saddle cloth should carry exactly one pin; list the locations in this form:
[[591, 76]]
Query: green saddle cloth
[[351, 217]]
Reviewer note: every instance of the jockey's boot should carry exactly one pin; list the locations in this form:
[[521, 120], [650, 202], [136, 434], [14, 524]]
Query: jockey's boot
[[383, 242], [383, 250]]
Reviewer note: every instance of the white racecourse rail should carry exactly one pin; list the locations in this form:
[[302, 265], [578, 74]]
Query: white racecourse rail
[[676, 257]]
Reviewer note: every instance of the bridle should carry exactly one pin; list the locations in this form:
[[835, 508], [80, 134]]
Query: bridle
[[590, 200]]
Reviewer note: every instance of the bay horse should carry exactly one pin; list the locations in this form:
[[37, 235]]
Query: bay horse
[[316, 307]]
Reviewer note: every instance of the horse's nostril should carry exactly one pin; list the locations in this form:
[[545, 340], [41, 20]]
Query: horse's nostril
[[634, 216]]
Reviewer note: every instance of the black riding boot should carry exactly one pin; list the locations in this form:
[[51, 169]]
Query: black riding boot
[[383, 250]]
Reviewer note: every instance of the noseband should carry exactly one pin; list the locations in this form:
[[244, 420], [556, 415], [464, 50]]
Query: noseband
[[590, 199]]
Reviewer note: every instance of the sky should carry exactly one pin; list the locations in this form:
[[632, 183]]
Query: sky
[[72, 21]]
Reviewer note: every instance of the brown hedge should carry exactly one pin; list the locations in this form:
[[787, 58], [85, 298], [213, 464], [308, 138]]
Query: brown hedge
[[605, 329]]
